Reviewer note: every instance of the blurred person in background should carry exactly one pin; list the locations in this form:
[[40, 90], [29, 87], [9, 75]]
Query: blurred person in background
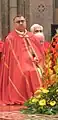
[[38, 31]]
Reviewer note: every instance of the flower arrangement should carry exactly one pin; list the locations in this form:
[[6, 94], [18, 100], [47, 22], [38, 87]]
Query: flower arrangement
[[45, 100], [50, 74]]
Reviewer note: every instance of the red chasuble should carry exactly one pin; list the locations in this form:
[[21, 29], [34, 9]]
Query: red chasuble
[[1, 46], [19, 77]]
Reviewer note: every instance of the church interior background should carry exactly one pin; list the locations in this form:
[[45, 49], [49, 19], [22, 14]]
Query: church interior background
[[36, 11], [44, 12]]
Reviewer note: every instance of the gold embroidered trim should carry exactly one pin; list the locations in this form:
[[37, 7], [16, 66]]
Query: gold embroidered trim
[[6, 65], [31, 58], [19, 65]]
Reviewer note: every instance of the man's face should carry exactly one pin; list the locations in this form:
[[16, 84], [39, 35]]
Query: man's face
[[20, 23], [37, 30]]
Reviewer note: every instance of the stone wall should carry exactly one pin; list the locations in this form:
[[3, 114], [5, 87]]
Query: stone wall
[[41, 12], [13, 12], [36, 11], [8, 10]]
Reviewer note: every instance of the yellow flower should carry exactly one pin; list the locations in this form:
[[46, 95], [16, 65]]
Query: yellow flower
[[52, 103], [42, 102], [38, 96], [41, 88], [44, 90], [50, 71], [52, 77], [49, 64], [56, 68], [34, 100], [30, 102], [57, 90], [37, 92]]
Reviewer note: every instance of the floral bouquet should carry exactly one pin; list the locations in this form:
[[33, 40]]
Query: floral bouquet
[[45, 100], [50, 74]]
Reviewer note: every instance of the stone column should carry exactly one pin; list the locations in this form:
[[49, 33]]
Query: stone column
[[4, 17], [27, 12], [23, 7], [20, 7], [13, 11]]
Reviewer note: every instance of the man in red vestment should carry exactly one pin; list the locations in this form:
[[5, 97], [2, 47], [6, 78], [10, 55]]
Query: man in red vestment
[[22, 62]]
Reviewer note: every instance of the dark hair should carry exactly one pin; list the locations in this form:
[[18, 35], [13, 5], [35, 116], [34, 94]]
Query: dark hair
[[18, 16]]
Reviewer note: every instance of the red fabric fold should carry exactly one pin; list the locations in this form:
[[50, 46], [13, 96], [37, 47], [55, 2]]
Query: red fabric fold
[[18, 77], [1, 46]]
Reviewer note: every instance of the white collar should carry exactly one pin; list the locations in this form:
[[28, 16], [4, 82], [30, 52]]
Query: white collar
[[21, 33]]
